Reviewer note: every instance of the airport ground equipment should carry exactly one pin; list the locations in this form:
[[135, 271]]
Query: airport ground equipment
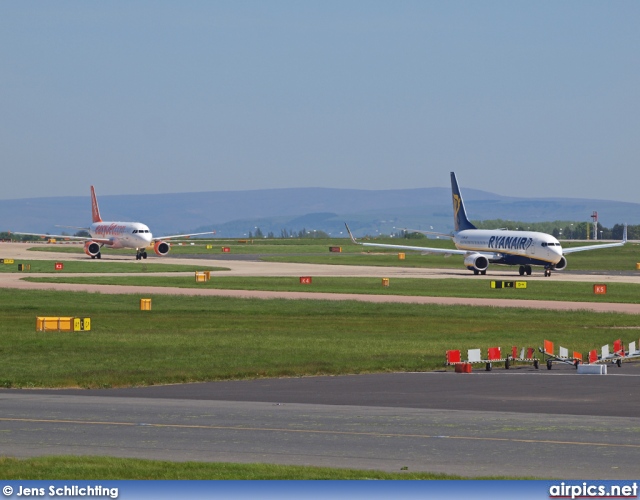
[[617, 356], [527, 355], [62, 324], [561, 357], [494, 355]]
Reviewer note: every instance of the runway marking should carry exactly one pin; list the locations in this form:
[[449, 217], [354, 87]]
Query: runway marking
[[309, 431]]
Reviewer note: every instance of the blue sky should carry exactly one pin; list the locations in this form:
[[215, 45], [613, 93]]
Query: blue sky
[[519, 98]]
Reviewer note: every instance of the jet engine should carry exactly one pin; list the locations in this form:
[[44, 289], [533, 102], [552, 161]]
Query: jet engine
[[476, 262], [161, 248], [562, 264], [91, 248]]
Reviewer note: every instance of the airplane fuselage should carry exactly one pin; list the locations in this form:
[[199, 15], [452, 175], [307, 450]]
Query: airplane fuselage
[[122, 234], [511, 247]]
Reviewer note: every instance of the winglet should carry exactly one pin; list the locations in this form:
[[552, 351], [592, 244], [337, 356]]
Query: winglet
[[95, 211], [351, 235]]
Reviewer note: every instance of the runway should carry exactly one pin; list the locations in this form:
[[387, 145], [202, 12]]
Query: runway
[[516, 423], [521, 423]]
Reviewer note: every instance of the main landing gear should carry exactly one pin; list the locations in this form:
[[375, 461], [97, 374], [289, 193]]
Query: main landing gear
[[525, 269], [141, 254]]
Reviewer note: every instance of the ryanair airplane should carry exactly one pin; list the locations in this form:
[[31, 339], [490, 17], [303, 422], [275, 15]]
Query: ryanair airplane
[[480, 247]]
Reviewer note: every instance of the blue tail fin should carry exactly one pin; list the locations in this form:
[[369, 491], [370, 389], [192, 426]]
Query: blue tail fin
[[460, 220]]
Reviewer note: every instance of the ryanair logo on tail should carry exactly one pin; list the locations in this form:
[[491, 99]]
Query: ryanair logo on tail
[[456, 208], [456, 205]]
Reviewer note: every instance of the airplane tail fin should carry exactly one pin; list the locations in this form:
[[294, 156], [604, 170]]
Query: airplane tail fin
[[351, 235], [460, 220], [95, 211]]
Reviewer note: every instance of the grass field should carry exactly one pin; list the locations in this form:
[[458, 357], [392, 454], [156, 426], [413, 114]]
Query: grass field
[[97, 266], [472, 287], [255, 246], [610, 259], [188, 339], [106, 468], [316, 251]]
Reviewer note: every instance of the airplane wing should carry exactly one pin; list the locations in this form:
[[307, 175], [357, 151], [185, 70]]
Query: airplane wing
[[425, 232], [592, 247], [103, 241], [598, 247], [74, 227], [425, 250], [182, 236]]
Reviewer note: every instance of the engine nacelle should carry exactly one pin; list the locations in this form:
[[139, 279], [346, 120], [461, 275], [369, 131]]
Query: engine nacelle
[[91, 248], [161, 248], [562, 264], [476, 262]]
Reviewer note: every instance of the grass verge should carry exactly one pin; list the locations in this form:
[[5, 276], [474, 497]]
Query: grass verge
[[98, 266], [189, 339], [312, 251], [107, 468], [472, 287]]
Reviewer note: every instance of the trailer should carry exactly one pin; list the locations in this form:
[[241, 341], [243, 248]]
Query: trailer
[[561, 357], [618, 355], [494, 355], [526, 356]]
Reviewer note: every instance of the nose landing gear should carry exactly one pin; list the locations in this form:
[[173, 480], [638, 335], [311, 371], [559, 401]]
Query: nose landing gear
[[141, 254]]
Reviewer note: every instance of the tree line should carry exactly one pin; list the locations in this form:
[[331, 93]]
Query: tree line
[[564, 230]]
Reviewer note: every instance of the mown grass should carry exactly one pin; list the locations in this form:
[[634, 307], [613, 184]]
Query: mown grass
[[107, 468], [189, 339], [98, 266], [611, 259], [316, 251], [472, 287], [255, 246]]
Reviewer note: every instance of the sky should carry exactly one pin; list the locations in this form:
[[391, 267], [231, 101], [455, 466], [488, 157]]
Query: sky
[[519, 98]]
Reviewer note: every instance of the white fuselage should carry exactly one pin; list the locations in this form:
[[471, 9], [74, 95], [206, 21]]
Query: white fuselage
[[526, 244], [122, 234]]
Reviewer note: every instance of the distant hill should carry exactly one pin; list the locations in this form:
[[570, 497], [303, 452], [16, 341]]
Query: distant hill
[[236, 213]]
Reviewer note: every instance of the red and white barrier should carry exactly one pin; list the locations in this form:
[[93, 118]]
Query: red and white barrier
[[494, 355], [563, 355]]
